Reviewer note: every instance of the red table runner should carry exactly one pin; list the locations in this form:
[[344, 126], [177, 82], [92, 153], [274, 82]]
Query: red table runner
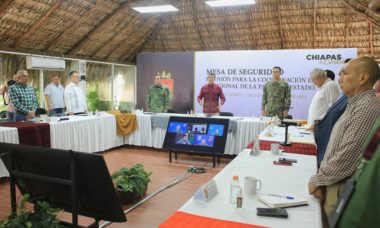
[[296, 148], [186, 220], [34, 134]]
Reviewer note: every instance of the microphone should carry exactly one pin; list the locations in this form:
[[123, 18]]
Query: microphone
[[287, 124]]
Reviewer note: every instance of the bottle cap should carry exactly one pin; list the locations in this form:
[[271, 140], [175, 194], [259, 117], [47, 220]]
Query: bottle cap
[[235, 178]]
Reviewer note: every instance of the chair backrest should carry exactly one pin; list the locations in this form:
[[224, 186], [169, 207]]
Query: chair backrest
[[3, 114], [40, 111], [226, 114], [290, 117]]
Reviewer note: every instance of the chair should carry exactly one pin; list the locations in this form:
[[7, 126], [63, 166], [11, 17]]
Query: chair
[[290, 117], [226, 114], [172, 111], [40, 111], [3, 114]]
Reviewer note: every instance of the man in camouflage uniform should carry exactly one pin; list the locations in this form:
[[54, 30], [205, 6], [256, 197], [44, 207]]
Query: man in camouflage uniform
[[276, 98], [158, 96]]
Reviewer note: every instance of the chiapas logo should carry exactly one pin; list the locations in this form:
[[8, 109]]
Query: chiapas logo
[[326, 58]]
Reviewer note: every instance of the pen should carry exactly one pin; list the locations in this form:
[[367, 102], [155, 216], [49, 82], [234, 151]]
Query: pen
[[305, 133], [287, 197]]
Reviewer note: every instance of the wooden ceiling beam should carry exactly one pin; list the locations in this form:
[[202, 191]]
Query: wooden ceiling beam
[[138, 48], [101, 23], [252, 38], [195, 20], [280, 25], [4, 6], [115, 35], [175, 27], [118, 46], [38, 23], [315, 23], [371, 38], [66, 31], [363, 15]]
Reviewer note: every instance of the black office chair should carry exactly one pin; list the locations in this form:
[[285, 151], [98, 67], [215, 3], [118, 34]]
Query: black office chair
[[3, 114], [172, 111], [290, 117], [226, 114], [40, 111]]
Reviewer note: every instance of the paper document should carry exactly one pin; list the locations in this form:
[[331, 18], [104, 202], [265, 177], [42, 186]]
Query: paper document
[[283, 200]]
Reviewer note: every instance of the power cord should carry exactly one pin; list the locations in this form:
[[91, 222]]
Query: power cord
[[193, 169]]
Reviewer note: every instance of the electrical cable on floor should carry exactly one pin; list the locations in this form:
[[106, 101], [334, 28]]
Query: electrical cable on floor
[[171, 184]]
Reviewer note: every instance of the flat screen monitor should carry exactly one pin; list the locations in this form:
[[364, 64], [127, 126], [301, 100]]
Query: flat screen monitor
[[192, 134], [97, 197]]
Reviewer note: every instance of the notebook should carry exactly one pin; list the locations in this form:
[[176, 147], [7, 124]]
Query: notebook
[[288, 200]]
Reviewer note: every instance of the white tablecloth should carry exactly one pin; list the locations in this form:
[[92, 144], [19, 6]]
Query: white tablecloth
[[275, 179], [143, 135], [7, 135], [86, 133]]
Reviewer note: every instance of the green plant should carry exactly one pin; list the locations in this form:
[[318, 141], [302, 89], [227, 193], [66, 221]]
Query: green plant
[[93, 101], [43, 216], [133, 179]]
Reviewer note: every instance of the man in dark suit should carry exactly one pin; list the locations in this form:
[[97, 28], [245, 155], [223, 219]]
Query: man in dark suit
[[323, 128]]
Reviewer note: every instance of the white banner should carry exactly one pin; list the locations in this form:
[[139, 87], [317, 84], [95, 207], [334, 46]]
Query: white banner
[[242, 75]]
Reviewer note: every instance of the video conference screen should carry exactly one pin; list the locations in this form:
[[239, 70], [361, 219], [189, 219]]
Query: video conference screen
[[196, 134]]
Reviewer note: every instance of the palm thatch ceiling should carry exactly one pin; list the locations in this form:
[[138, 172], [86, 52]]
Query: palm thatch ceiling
[[109, 30]]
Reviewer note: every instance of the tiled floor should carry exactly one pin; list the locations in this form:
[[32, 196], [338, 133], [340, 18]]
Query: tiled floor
[[156, 210]]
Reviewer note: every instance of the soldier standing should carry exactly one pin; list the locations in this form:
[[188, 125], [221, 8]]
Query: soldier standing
[[276, 98], [158, 96]]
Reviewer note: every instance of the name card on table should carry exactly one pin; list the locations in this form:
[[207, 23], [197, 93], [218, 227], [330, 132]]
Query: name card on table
[[206, 192]]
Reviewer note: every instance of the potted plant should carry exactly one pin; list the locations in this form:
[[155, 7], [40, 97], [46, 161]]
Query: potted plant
[[42, 216], [131, 183]]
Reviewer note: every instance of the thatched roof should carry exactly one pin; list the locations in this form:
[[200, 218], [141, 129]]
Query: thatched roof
[[109, 30]]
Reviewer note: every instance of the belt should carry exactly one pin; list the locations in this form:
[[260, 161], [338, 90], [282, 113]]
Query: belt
[[18, 112]]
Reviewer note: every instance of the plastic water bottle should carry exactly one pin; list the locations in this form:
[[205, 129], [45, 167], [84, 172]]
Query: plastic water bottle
[[234, 189], [256, 147], [239, 200], [191, 112]]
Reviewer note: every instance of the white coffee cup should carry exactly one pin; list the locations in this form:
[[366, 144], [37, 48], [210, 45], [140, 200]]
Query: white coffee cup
[[275, 148], [251, 186]]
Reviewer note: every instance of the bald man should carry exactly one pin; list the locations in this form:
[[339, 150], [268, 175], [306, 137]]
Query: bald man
[[349, 133]]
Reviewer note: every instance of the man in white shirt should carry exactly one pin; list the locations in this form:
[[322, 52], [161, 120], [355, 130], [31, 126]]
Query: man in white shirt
[[75, 98], [54, 96], [327, 94]]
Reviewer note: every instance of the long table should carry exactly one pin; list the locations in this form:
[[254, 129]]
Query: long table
[[98, 133], [86, 133], [7, 135], [275, 180], [302, 141]]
